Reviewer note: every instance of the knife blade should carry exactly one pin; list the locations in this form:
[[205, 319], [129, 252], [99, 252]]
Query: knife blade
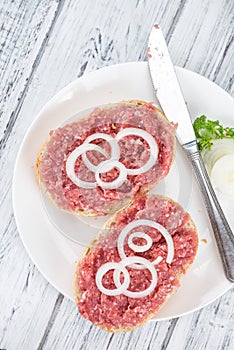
[[167, 87], [169, 95]]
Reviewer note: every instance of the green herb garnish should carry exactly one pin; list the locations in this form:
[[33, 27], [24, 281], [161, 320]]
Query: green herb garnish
[[208, 130]]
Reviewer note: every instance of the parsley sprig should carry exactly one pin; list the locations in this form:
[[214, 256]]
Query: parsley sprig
[[208, 130]]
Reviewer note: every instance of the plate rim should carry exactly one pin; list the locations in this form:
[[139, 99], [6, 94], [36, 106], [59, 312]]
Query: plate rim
[[29, 130]]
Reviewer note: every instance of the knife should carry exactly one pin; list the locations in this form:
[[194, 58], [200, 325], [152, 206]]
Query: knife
[[170, 97]]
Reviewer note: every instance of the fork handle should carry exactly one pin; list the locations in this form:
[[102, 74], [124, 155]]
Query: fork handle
[[222, 231]]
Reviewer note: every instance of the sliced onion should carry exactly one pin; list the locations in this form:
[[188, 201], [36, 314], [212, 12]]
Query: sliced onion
[[106, 166], [219, 149], [222, 175], [112, 162], [220, 166], [140, 248], [122, 288], [151, 142], [116, 267], [115, 152], [139, 261], [144, 222], [71, 160]]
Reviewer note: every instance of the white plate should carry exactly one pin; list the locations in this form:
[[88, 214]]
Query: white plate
[[53, 253]]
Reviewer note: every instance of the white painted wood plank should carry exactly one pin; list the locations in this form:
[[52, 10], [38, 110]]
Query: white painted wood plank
[[88, 35], [87, 336], [212, 328], [106, 33], [24, 293], [23, 30], [203, 40], [195, 331], [26, 298]]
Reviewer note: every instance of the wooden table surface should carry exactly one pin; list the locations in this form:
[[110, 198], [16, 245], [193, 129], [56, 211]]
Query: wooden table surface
[[44, 45]]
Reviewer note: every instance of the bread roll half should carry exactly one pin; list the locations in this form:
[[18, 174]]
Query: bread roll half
[[135, 264]]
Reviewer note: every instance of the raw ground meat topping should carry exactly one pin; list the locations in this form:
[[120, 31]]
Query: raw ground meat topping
[[96, 165], [136, 264], [134, 261], [111, 161]]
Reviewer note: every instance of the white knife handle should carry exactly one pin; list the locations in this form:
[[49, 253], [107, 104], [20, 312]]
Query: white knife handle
[[222, 231]]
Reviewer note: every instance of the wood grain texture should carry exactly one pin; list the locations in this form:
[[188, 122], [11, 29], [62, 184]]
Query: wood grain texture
[[210, 328], [209, 40], [196, 331], [23, 38], [61, 334], [23, 292], [45, 45]]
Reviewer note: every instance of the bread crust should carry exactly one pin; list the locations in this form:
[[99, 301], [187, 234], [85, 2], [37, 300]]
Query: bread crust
[[179, 274]]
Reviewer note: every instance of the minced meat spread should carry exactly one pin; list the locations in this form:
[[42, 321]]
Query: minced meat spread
[[121, 312], [134, 152]]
